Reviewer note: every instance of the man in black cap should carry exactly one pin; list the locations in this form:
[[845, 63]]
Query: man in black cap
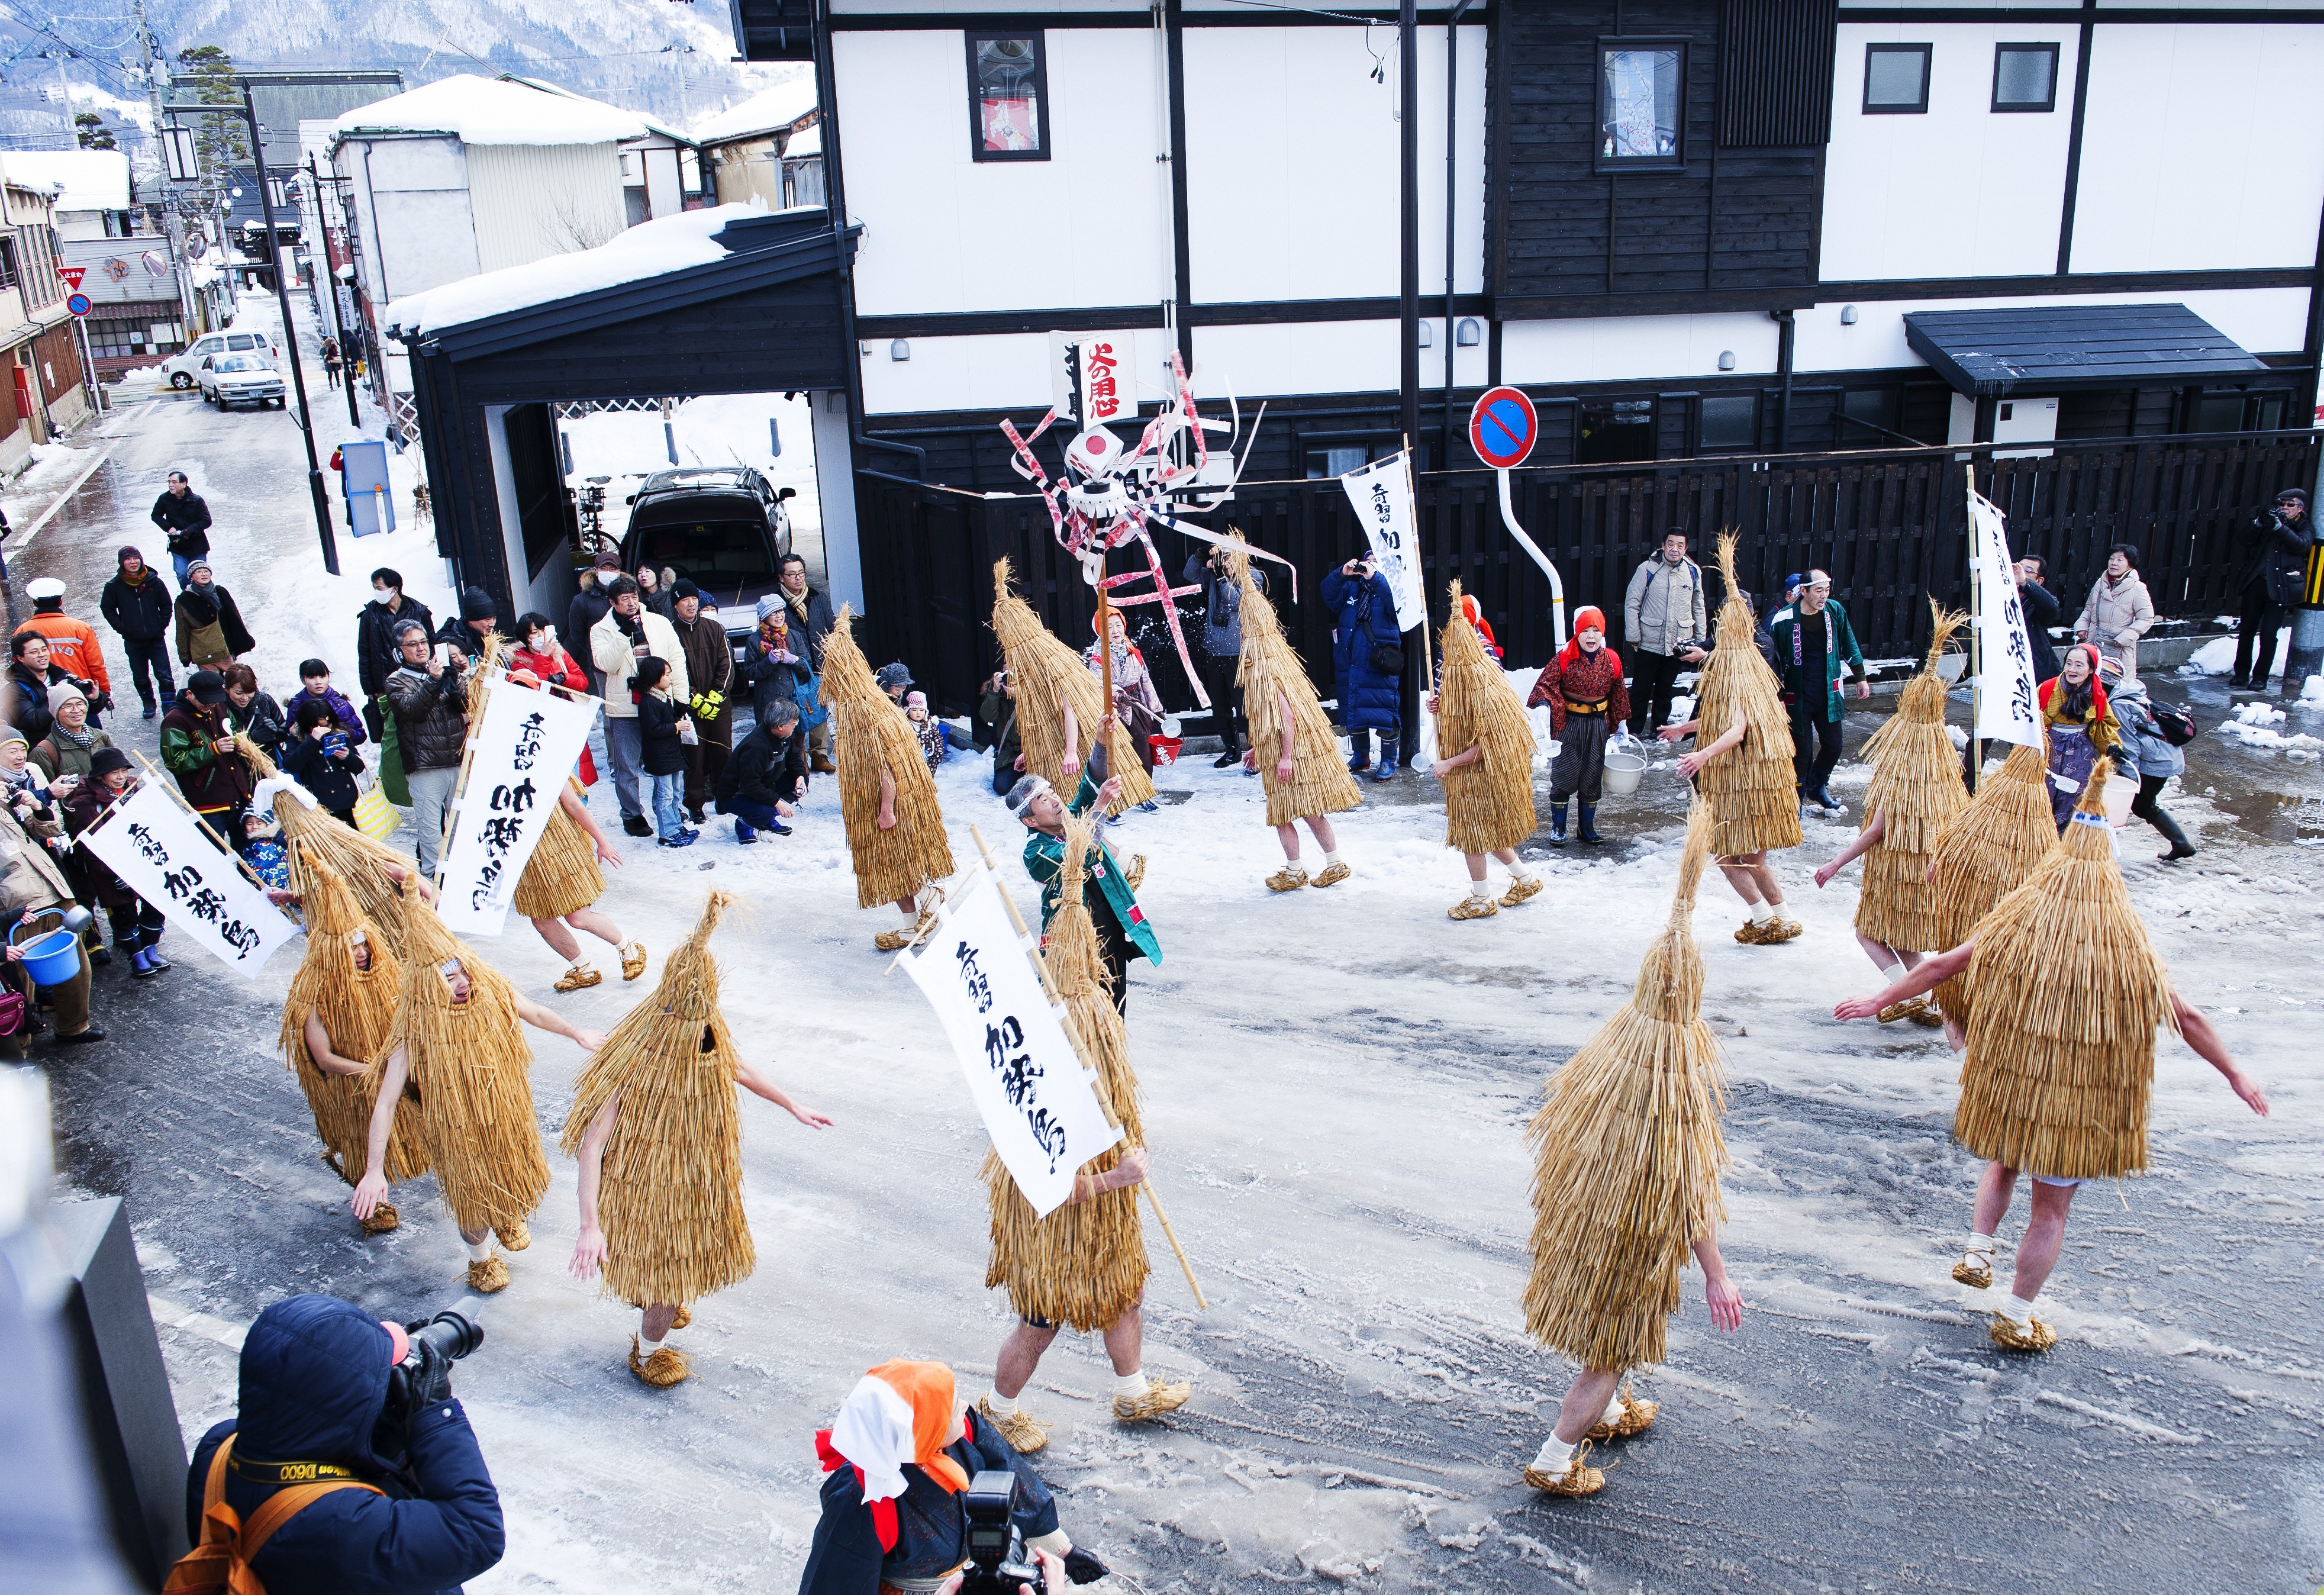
[[198, 748], [137, 605], [710, 672], [479, 617], [2281, 538]]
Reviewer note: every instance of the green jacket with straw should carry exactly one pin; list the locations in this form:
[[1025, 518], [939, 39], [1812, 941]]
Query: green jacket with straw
[[1045, 861]]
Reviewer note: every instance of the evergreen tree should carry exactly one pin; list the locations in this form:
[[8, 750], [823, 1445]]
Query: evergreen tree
[[93, 132]]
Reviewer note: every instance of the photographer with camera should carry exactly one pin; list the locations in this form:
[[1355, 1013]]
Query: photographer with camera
[[347, 1469], [1367, 655], [922, 1494]]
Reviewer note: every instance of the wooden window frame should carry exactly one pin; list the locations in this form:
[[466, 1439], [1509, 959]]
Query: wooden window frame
[[1674, 161], [971, 38], [1927, 53], [2023, 107], [1758, 423]]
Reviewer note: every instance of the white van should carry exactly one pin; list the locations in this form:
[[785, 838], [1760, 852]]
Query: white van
[[181, 371]]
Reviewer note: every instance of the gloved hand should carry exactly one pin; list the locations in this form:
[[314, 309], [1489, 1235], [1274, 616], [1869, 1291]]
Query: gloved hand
[[1083, 1568], [428, 1370]]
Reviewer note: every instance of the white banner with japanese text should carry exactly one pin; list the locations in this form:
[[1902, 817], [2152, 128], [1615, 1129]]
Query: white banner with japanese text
[[2007, 708], [162, 854], [529, 740], [1038, 1103], [1093, 378], [1382, 494]]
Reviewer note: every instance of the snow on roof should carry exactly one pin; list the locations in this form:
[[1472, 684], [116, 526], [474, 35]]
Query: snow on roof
[[493, 111], [763, 112], [808, 141], [669, 243], [87, 179]]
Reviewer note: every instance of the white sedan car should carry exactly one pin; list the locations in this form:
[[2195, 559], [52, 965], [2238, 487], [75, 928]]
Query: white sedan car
[[228, 380]]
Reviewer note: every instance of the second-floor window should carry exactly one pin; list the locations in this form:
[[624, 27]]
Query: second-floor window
[[2025, 76], [1007, 96], [10, 273], [1641, 102]]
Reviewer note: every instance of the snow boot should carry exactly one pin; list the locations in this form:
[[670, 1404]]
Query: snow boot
[[1557, 826], [637, 824], [1590, 824], [154, 962], [1361, 759], [744, 833], [139, 967], [1389, 761]]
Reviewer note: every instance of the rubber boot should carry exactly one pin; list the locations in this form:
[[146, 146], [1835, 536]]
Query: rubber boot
[[1590, 824], [1557, 826], [1389, 763], [1361, 759], [2181, 848]]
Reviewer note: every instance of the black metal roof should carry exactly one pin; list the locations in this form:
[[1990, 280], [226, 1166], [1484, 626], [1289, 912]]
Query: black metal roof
[[773, 30], [2073, 348]]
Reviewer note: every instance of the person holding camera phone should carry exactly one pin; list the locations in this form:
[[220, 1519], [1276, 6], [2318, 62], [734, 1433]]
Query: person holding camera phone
[[916, 1488], [1365, 637], [347, 1466], [320, 756]]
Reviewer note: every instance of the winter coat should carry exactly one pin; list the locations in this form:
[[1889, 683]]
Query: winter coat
[[1663, 606], [30, 879], [588, 607], [455, 632], [1133, 684], [83, 809], [1808, 657], [138, 610], [331, 780], [375, 627], [617, 661], [845, 1557], [209, 780], [2279, 556], [770, 680], [263, 723], [431, 716], [1104, 889], [2142, 738], [2118, 614], [1221, 633], [335, 702], [765, 769], [73, 645], [186, 521], [314, 1386], [709, 667], [2041, 606], [56, 754], [811, 619], [211, 632], [1591, 678], [563, 670], [660, 750], [1364, 614], [27, 698]]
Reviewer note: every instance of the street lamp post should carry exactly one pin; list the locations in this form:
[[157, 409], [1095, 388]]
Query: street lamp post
[[248, 112], [339, 322]]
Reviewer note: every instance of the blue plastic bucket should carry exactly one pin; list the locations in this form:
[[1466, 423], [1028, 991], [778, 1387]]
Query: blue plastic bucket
[[53, 959]]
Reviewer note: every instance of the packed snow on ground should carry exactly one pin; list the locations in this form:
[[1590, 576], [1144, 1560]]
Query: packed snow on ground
[[2253, 724], [2218, 657]]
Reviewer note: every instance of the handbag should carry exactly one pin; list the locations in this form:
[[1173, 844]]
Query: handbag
[[1387, 660], [2177, 725], [375, 816]]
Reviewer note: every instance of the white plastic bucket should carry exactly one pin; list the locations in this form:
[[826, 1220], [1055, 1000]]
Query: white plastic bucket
[[1622, 774]]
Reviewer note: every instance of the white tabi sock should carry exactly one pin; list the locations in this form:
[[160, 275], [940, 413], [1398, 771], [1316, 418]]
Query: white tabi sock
[[1553, 1455], [1989, 1245], [1894, 973], [2016, 1308], [648, 1347], [1330, 858], [1519, 873], [1615, 1411], [1003, 1407], [1480, 890], [1130, 1384], [482, 1251], [1761, 913]]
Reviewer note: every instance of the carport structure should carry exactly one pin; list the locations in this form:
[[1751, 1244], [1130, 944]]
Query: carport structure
[[730, 301]]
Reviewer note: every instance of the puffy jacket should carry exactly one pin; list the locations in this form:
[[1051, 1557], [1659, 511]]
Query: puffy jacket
[[211, 632], [772, 680], [811, 617], [139, 610], [2118, 615], [335, 702], [616, 660], [375, 628], [73, 645], [2142, 738], [263, 723], [209, 780], [1222, 634], [709, 667], [25, 698], [186, 521], [331, 780], [765, 768], [2279, 556], [431, 716], [58, 754], [30, 880], [1663, 606], [314, 1386], [1369, 700]]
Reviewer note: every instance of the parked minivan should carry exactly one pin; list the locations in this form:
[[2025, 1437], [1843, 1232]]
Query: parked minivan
[[724, 528], [181, 371]]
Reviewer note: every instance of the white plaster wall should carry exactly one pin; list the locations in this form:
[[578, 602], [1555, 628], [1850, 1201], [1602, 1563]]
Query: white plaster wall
[[995, 372], [1619, 349], [1959, 191], [2203, 149], [410, 199], [2264, 320], [1292, 163], [945, 233]]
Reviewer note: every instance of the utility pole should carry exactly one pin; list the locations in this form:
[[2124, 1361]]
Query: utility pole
[[151, 51], [680, 50], [328, 280], [64, 88]]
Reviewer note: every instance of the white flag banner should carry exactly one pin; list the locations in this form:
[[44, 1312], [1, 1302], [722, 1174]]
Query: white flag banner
[[1039, 1103], [2007, 708], [1382, 494], [529, 740], [163, 855]]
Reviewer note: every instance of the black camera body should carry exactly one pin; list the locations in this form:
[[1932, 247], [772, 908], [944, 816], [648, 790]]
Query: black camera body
[[997, 1563]]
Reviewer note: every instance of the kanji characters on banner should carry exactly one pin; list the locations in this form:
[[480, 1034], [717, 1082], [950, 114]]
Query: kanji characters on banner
[[529, 740], [162, 853], [1382, 494], [2007, 708]]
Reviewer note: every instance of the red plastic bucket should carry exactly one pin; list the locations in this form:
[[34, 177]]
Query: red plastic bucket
[[1166, 748]]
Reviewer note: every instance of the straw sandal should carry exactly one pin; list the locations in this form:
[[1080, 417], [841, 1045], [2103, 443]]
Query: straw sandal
[[667, 1367], [1909, 1008], [1637, 1418], [383, 1218], [488, 1276], [1473, 908], [1290, 878], [633, 960], [892, 941], [684, 1316], [1134, 872], [2036, 1336], [1750, 935], [1333, 876], [515, 1236], [1522, 889], [1928, 1015], [578, 978], [1160, 1398], [1784, 929], [1576, 1481], [1025, 1433], [1975, 1268]]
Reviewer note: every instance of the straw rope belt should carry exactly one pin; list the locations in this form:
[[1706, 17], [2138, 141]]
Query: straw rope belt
[[1597, 708]]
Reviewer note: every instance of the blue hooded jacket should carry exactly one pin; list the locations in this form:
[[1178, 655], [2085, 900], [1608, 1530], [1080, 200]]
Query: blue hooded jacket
[[314, 1384], [1369, 700]]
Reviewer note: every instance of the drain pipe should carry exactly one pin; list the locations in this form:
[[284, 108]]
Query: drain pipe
[[1785, 333]]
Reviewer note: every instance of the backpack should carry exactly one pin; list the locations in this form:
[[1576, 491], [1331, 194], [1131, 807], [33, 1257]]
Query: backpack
[[2177, 725], [220, 1565]]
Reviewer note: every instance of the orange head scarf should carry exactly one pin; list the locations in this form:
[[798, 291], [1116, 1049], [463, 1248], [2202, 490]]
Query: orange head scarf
[[899, 1413]]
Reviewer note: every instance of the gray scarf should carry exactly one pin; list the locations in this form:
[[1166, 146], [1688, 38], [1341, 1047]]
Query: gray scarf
[[84, 739]]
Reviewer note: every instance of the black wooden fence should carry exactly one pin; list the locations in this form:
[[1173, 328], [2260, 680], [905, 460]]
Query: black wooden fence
[[1889, 525]]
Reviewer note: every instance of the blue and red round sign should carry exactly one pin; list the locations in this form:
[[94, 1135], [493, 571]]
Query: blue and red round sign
[[78, 303], [1503, 427]]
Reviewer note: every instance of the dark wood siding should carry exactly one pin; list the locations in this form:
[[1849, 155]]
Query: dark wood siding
[[1776, 72]]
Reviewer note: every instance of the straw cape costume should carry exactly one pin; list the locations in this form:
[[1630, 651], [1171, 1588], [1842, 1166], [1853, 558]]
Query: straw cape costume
[[1753, 791], [1051, 678], [354, 1007], [367, 867], [1984, 853], [1489, 800], [1627, 1157], [562, 876], [871, 740], [1269, 673]]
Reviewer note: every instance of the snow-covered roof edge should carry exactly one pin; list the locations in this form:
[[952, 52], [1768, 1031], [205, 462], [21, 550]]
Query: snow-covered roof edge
[[85, 180], [492, 111], [763, 112]]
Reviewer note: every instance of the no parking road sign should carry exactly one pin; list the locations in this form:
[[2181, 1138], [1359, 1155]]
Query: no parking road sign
[[1503, 427], [78, 303]]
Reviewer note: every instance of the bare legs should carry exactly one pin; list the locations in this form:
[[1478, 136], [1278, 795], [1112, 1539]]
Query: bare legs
[[1585, 1404], [1476, 862], [1320, 824], [1753, 879], [565, 943], [1885, 957], [1020, 1353]]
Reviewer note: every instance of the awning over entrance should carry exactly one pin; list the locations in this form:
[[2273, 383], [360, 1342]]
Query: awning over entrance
[[2075, 349]]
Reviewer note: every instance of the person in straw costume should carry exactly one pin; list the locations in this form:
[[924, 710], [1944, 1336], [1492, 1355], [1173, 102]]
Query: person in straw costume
[[1746, 765], [1986, 851], [2070, 993], [1061, 706], [368, 867], [1484, 757], [335, 1016], [655, 1126], [887, 794], [457, 1041], [1627, 1156], [1916, 791], [1085, 1264], [1292, 744]]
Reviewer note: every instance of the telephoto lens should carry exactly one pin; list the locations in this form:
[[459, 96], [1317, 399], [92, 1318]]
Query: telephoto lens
[[450, 1333]]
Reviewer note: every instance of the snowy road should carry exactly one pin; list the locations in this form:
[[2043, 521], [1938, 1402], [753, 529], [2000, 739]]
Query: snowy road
[[1336, 1086]]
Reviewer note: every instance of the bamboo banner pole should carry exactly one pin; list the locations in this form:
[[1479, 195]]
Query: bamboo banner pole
[[171, 788], [1104, 736]]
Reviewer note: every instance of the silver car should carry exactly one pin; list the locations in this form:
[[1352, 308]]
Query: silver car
[[228, 380]]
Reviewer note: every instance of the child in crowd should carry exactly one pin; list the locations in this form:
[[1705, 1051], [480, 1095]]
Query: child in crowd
[[926, 727], [662, 727], [320, 754], [262, 849], [315, 687]]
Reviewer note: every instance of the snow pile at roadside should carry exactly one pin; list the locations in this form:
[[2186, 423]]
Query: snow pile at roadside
[[2253, 726], [2218, 657]]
